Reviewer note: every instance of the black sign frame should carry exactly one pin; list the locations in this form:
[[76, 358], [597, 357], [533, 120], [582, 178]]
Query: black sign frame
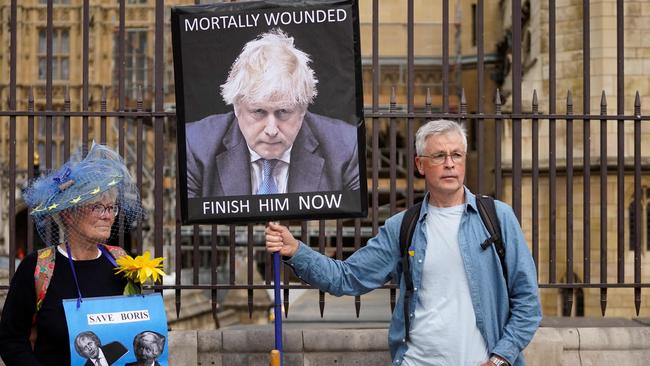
[[206, 41]]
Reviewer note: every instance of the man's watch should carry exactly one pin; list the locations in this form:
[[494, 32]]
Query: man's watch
[[498, 361]]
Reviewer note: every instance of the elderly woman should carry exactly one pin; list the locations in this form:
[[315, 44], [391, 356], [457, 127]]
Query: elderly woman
[[76, 209]]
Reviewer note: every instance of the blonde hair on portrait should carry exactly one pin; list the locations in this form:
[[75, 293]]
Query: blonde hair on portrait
[[270, 68]]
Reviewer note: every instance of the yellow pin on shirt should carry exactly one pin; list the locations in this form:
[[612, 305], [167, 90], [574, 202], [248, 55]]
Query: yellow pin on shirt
[[411, 252]]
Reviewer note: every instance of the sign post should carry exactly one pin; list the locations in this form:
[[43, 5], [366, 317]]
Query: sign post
[[278, 308]]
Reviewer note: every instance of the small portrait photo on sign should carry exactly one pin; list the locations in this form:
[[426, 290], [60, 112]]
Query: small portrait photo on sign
[[117, 331], [89, 346], [147, 346], [270, 111]]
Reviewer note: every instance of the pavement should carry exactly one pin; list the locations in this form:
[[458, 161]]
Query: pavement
[[593, 322], [340, 312], [375, 312]]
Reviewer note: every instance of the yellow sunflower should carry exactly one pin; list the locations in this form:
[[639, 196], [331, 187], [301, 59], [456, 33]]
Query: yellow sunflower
[[139, 269]]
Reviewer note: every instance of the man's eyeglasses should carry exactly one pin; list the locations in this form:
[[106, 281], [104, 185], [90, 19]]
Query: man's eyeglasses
[[439, 158], [98, 210]]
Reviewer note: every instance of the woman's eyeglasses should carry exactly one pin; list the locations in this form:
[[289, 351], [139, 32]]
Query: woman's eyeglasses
[[98, 209]]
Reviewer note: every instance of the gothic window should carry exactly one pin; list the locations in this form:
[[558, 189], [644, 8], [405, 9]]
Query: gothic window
[[60, 54], [57, 141], [645, 222], [137, 65]]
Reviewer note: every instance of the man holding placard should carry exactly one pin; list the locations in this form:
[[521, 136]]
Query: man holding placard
[[462, 306]]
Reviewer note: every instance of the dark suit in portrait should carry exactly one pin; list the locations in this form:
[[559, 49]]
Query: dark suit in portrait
[[323, 157], [112, 351], [142, 363]]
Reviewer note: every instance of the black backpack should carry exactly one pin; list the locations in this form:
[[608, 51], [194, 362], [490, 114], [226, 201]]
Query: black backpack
[[488, 213]]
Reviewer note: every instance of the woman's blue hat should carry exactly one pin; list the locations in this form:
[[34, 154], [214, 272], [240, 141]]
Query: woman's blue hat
[[82, 180], [77, 181]]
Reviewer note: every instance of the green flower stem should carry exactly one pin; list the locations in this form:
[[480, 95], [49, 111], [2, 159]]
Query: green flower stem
[[132, 288]]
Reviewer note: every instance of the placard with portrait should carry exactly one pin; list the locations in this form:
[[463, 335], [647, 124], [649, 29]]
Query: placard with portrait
[[117, 330], [270, 111]]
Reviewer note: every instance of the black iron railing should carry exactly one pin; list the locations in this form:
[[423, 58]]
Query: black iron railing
[[221, 243]]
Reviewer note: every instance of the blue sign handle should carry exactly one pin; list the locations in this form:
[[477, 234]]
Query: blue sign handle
[[278, 304]]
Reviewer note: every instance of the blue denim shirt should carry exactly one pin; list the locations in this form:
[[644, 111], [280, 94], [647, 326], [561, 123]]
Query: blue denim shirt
[[507, 318]]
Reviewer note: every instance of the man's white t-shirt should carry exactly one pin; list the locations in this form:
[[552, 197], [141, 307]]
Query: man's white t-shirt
[[443, 329]]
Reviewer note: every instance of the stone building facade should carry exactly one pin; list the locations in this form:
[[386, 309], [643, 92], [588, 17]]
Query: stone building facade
[[603, 78], [139, 51], [67, 80]]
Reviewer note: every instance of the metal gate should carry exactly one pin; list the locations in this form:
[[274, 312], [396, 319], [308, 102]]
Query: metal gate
[[514, 146]]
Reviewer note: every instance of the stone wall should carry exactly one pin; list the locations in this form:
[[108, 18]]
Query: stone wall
[[251, 345]]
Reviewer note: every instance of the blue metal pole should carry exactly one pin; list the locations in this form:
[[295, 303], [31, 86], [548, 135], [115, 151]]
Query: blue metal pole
[[278, 304]]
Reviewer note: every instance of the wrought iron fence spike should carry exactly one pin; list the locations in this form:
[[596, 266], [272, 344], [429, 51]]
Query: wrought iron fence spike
[[285, 300], [250, 304], [357, 305], [178, 303]]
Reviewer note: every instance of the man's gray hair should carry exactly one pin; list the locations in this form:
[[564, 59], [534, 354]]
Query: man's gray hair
[[85, 335], [269, 68], [438, 127], [139, 342]]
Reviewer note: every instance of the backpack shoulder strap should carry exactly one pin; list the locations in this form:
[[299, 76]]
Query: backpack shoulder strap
[[406, 231], [407, 228], [487, 211], [43, 273], [116, 252], [45, 269]]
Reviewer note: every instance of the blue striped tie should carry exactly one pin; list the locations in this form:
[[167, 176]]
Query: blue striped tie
[[267, 185]]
